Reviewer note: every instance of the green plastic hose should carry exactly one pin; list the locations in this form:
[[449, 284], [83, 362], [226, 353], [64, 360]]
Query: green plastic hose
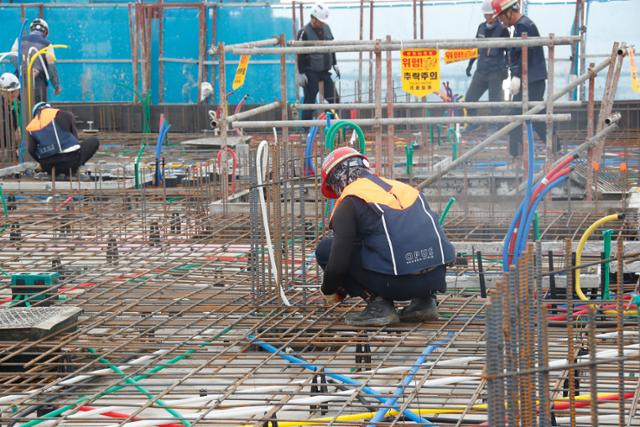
[[454, 143], [333, 131], [408, 149], [5, 210], [446, 210], [536, 226], [137, 165], [160, 366], [606, 236], [140, 388]]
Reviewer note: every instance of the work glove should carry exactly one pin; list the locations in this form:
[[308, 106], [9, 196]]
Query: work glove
[[301, 79], [336, 70], [515, 85], [469, 70], [332, 299]]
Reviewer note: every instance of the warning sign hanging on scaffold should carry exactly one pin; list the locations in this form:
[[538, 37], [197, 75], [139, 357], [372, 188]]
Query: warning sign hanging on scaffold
[[456, 55], [420, 69]]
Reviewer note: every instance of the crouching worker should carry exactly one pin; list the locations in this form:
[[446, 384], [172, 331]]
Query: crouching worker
[[387, 244], [53, 141]]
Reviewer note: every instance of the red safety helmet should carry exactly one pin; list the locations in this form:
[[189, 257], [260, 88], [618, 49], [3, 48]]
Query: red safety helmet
[[500, 6], [332, 160]]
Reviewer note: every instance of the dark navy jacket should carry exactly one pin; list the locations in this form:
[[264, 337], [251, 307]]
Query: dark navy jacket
[[537, 69], [491, 60], [317, 62], [400, 234]]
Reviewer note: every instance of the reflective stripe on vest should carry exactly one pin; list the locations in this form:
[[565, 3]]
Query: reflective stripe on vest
[[406, 238]]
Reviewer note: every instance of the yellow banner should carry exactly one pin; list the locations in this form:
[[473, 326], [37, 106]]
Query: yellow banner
[[635, 84], [241, 72], [420, 69], [457, 55]]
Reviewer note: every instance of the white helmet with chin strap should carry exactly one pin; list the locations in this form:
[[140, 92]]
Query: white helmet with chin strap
[[320, 11], [9, 82]]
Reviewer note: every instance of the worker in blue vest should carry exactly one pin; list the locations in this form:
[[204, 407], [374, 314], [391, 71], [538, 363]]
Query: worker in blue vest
[[43, 70], [314, 68], [387, 244], [508, 12], [491, 64], [53, 141]]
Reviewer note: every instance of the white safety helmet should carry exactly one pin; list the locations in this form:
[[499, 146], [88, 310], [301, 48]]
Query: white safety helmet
[[41, 25], [206, 90], [320, 11], [487, 9], [9, 82]]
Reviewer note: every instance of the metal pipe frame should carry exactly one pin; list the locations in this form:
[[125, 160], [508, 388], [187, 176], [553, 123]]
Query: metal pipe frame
[[508, 128], [479, 105], [402, 121], [254, 111]]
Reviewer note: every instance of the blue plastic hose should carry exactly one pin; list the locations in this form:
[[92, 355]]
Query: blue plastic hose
[[391, 401], [527, 224], [301, 362]]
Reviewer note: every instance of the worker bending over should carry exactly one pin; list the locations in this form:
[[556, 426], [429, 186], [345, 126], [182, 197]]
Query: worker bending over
[[387, 244], [313, 68], [53, 141]]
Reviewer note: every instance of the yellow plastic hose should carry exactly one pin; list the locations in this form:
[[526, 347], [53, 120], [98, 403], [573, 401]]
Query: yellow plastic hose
[[31, 61], [583, 240]]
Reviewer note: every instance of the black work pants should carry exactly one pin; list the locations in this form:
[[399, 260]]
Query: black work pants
[[68, 163], [40, 86], [366, 283], [480, 83], [536, 93], [313, 86]]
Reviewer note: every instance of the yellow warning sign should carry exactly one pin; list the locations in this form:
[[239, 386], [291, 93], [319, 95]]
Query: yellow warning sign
[[635, 84], [456, 55], [241, 72], [420, 69]]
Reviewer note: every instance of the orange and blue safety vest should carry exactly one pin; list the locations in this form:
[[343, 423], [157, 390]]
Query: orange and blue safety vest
[[51, 139], [405, 237]]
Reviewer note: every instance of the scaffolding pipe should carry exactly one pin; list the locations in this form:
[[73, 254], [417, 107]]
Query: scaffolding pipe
[[434, 105], [254, 111], [404, 121], [611, 125], [508, 128]]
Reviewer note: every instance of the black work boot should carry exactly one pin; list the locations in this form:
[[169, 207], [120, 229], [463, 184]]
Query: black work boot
[[420, 310], [379, 312]]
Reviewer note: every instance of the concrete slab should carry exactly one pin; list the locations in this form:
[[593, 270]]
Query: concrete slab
[[32, 184]]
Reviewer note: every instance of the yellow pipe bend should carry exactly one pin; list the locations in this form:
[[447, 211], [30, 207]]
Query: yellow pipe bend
[[583, 240], [31, 61]]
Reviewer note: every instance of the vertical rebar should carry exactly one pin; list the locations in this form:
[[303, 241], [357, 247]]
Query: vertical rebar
[[513, 381], [378, 109], [620, 326], [390, 128], [223, 127], [543, 345], [593, 371], [550, 76], [590, 116], [568, 266]]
